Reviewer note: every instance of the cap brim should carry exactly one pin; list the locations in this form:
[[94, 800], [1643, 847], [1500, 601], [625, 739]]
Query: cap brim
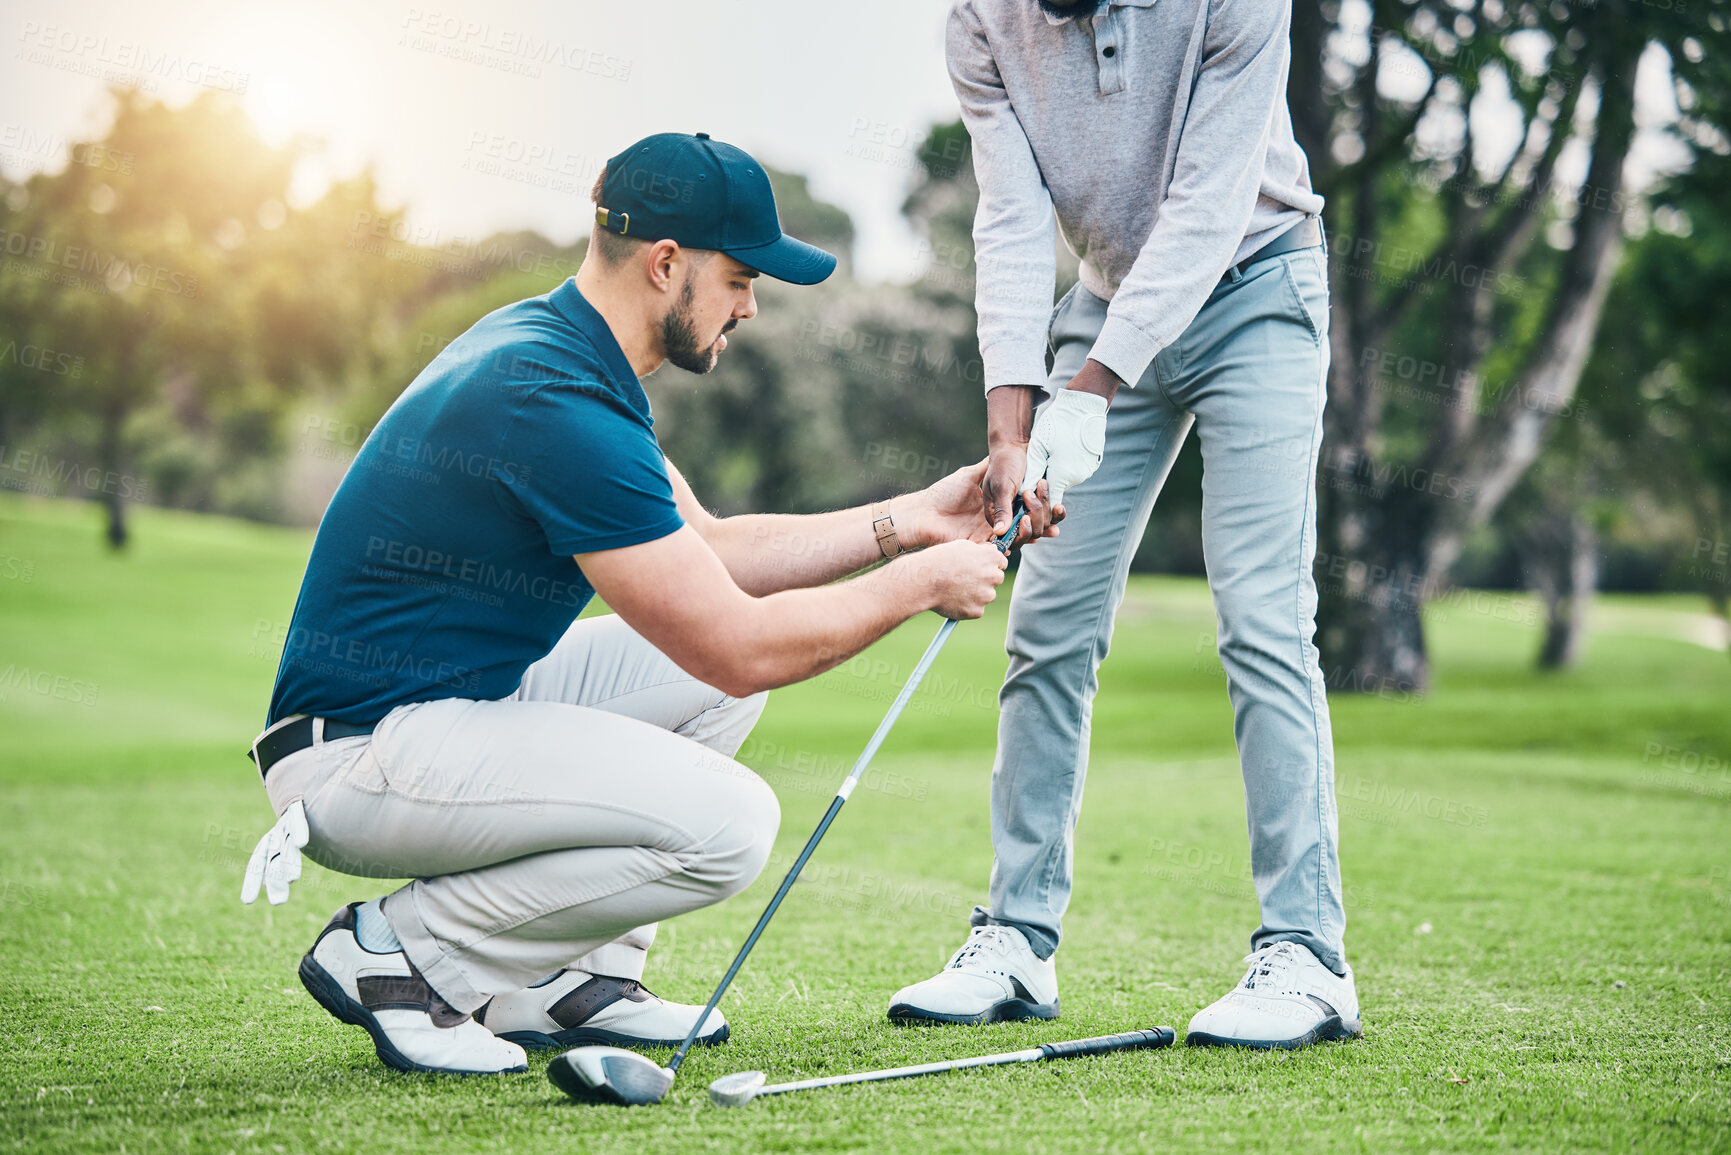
[[787, 259]]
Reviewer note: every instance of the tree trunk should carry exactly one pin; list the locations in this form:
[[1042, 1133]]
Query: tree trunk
[[111, 490], [1304, 89], [1562, 563], [1369, 578], [1722, 606], [1370, 561]]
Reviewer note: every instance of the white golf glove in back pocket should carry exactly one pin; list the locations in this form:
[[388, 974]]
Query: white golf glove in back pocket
[[276, 860], [1068, 441]]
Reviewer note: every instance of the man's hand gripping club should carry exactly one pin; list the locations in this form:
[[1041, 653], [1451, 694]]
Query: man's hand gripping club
[[1063, 448]]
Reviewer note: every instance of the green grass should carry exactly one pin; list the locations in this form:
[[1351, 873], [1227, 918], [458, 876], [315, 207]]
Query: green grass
[[1540, 909]]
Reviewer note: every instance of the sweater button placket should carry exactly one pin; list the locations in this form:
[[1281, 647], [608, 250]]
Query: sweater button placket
[[1106, 53]]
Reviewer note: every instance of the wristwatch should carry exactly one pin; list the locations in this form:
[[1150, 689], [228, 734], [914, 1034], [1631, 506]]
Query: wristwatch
[[884, 529]]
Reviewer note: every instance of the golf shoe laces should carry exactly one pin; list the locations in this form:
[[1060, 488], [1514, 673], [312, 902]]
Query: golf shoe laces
[[982, 939], [1269, 966]]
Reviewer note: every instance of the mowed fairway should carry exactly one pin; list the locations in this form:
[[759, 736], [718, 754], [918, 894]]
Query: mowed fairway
[[1538, 871]]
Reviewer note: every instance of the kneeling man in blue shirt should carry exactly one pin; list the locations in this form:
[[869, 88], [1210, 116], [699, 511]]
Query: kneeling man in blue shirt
[[556, 787]]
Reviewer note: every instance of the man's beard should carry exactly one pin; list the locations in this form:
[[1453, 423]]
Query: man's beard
[[679, 336], [1061, 9]]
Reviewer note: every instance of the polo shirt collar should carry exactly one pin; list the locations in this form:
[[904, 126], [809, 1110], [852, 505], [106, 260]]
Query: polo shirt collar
[[570, 304], [1055, 20]]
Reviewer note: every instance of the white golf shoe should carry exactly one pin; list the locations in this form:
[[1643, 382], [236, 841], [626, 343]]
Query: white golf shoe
[[413, 1029], [572, 1009], [1287, 999], [995, 977]]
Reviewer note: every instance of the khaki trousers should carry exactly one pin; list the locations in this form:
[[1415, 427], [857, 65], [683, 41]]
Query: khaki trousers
[[553, 828]]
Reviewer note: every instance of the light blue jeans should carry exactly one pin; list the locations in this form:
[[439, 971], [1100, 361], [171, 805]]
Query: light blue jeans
[[1251, 374]]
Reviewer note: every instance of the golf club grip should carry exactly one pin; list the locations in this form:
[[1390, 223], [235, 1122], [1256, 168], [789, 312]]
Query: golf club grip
[[1018, 510], [1128, 1041]]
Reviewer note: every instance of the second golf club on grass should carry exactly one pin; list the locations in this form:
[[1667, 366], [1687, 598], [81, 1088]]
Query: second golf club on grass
[[615, 1075]]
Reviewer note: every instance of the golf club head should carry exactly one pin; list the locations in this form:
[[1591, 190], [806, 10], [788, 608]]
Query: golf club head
[[736, 1090], [610, 1075]]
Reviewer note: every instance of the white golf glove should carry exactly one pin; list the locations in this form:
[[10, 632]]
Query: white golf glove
[[1068, 441], [276, 860]]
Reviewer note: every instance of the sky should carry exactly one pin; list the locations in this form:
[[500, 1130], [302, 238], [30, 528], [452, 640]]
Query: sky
[[481, 116], [486, 116]]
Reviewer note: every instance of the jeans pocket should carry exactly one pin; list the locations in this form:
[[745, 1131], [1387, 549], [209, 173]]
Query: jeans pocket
[[1307, 287]]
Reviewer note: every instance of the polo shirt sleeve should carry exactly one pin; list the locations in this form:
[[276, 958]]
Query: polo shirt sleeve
[[586, 467], [1015, 248]]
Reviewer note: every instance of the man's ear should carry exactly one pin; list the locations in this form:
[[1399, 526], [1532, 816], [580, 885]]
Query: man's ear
[[660, 259]]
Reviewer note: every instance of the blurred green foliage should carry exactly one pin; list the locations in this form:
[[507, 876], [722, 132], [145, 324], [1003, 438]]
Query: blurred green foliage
[[177, 327]]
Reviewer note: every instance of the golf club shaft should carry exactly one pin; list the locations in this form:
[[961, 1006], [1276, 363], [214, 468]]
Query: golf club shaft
[[1031, 1055], [835, 806], [1130, 1040], [841, 795]]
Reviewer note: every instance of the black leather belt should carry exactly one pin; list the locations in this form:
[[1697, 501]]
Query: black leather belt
[[1306, 234], [297, 736]]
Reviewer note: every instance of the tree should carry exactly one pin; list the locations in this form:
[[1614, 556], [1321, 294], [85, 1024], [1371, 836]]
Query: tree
[[1667, 338], [1451, 250], [168, 258]]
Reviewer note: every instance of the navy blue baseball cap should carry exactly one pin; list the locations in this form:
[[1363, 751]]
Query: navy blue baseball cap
[[706, 195]]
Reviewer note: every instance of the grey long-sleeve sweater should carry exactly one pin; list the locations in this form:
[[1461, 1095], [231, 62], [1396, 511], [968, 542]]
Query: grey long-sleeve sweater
[[1157, 129]]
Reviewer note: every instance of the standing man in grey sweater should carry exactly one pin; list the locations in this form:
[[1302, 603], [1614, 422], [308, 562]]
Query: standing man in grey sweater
[[1158, 135]]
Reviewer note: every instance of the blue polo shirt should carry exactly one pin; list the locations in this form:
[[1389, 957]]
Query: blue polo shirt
[[443, 566]]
